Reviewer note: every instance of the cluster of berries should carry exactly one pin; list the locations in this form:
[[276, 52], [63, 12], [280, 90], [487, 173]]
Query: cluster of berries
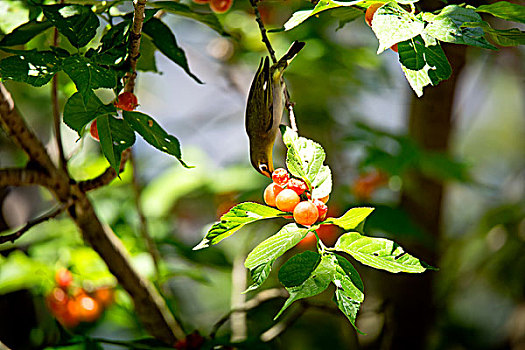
[[126, 101], [73, 305], [217, 6], [292, 195]]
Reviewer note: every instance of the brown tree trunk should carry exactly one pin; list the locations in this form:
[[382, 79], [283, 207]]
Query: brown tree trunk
[[410, 312]]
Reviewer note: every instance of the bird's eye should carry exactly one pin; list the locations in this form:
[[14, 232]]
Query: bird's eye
[[264, 169]]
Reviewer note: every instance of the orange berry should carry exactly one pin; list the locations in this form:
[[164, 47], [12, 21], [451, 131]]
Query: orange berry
[[322, 208], [105, 296], [370, 11], [220, 6], [305, 213], [94, 131], [57, 301], [280, 176], [299, 186], [393, 47], [63, 278], [286, 200], [126, 101], [88, 308], [271, 192]]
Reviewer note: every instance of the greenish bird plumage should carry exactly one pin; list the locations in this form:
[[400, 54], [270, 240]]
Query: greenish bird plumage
[[264, 109]]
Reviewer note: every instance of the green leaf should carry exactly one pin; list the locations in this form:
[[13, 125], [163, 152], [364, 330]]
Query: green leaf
[[235, 219], [154, 134], [347, 305], [261, 258], [323, 5], [165, 41], [380, 253], [77, 113], [33, 67], [318, 281], [347, 278], [115, 136], [351, 219], [146, 61], [505, 10], [423, 62], [76, 22], [447, 26], [393, 24], [87, 75], [298, 268], [25, 32], [177, 8], [304, 159], [346, 15], [502, 37], [113, 47]]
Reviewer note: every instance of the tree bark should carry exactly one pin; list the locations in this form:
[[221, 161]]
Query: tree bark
[[410, 313]]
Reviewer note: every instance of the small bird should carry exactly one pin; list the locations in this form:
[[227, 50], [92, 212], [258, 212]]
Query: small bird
[[264, 109]]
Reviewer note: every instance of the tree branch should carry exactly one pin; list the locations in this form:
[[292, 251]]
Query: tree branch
[[281, 326], [23, 177], [106, 177], [16, 235], [62, 163], [134, 45], [251, 304]]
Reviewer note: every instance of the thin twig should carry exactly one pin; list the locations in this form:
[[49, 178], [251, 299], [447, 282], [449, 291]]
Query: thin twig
[[282, 326], [106, 177], [62, 163], [287, 102], [262, 28], [134, 45], [16, 235], [144, 232], [251, 304]]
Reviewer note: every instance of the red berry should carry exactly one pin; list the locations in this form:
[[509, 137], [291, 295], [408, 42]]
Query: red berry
[[201, 1], [305, 213], [93, 130], [271, 192], [57, 301], [63, 278], [324, 199], [105, 296], [220, 6], [286, 200], [126, 101], [322, 208], [298, 186], [370, 11], [280, 176], [393, 47]]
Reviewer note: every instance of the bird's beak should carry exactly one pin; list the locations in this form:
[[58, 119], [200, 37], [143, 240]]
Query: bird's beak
[[266, 169]]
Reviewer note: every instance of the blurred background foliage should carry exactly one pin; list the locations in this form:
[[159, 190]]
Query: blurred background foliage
[[354, 103]]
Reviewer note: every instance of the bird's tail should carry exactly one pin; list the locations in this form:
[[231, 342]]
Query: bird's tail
[[290, 54]]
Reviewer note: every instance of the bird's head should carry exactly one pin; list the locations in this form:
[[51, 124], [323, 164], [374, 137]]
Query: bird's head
[[261, 158]]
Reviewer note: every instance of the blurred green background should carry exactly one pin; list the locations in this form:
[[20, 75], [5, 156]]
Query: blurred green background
[[454, 194]]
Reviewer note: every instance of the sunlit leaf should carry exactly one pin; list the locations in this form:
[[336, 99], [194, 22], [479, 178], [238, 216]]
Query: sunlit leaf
[[380, 253], [261, 258], [351, 219], [32, 67], [235, 219], [505, 10]]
